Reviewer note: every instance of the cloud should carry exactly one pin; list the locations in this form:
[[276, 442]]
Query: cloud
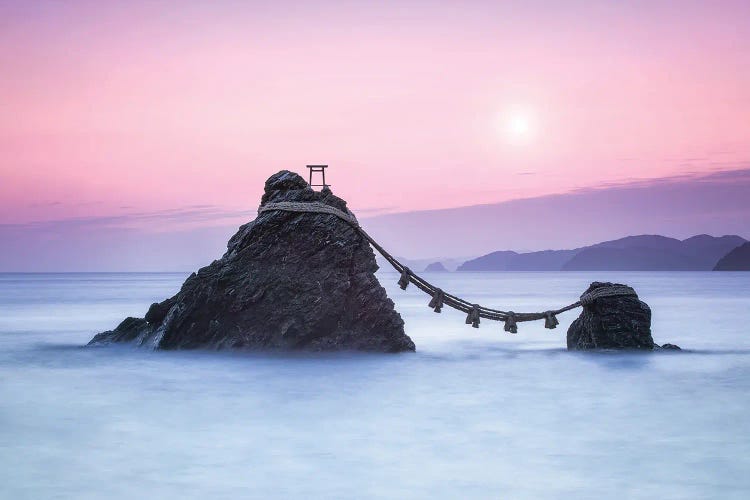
[[376, 210], [680, 206], [680, 180], [191, 215], [44, 204], [185, 216], [187, 238]]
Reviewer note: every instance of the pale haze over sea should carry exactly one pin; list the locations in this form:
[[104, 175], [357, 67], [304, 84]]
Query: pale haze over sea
[[476, 413]]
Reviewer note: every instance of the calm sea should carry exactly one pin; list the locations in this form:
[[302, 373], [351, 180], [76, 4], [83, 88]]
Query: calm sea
[[474, 413]]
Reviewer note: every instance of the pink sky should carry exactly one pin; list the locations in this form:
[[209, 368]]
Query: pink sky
[[147, 106]]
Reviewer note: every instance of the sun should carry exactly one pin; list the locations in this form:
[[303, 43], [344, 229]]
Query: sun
[[517, 126]]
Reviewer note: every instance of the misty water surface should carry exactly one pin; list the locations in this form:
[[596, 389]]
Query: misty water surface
[[476, 413]]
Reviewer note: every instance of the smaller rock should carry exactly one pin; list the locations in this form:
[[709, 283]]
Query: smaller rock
[[435, 267], [127, 331], [612, 318]]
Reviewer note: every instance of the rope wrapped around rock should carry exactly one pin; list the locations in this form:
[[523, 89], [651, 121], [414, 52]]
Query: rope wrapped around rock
[[440, 298]]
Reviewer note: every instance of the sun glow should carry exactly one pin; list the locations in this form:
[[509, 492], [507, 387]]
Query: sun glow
[[517, 126]]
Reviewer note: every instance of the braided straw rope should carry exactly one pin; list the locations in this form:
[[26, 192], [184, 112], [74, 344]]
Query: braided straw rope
[[315, 207], [607, 291], [440, 298]]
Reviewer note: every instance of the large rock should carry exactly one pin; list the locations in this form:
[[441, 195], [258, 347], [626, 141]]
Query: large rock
[[288, 280], [612, 322]]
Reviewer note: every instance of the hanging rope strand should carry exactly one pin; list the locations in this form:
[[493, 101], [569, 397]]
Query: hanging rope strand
[[474, 311]]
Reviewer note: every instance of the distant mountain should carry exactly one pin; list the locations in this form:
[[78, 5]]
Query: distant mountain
[[712, 248], [631, 259], [435, 267], [736, 260], [450, 263], [632, 253], [653, 253], [680, 206], [547, 260]]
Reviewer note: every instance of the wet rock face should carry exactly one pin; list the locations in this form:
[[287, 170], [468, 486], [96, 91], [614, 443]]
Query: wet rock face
[[287, 281], [622, 322]]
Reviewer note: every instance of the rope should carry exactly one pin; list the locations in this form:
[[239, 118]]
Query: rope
[[607, 291], [439, 297], [316, 206]]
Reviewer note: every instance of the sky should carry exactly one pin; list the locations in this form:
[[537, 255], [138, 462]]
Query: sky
[[199, 234], [128, 112]]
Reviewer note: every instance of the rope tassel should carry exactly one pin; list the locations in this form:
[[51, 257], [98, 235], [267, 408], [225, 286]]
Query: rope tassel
[[403, 281], [437, 300], [550, 320], [473, 317], [510, 323]]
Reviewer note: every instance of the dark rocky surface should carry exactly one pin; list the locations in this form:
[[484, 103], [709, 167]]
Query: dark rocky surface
[[613, 323], [287, 281], [736, 260]]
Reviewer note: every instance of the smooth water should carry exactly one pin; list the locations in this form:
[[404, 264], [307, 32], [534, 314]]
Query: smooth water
[[474, 413]]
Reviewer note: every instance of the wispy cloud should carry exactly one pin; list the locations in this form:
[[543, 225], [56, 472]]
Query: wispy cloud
[[159, 220], [207, 215], [44, 204], [195, 215], [183, 238], [680, 206], [717, 177], [376, 210]]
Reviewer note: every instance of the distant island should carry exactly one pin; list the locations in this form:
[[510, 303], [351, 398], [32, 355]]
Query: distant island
[[736, 260], [435, 267], [632, 253]]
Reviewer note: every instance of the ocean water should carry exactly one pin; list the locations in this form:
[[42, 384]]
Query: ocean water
[[475, 413]]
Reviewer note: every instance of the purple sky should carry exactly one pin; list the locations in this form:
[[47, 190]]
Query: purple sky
[[120, 119], [680, 207]]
